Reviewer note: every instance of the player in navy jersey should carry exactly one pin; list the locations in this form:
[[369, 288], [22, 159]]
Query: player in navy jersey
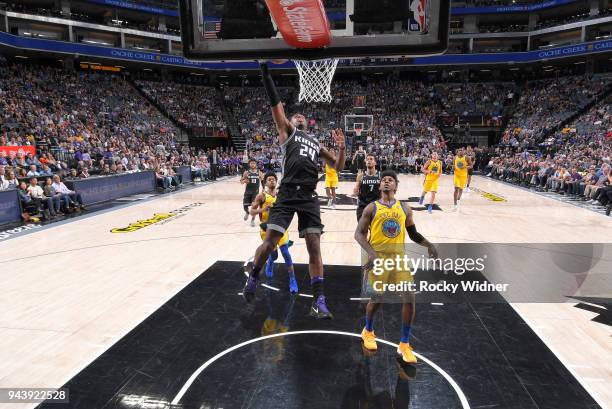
[[251, 178], [297, 194]]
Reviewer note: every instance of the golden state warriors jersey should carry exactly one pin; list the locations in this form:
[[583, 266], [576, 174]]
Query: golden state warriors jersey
[[330, 172], [461, 166], [435, 168], [270, 200], [387, 227]]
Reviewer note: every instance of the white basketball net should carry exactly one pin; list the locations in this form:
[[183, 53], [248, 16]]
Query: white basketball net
[[315, 79]]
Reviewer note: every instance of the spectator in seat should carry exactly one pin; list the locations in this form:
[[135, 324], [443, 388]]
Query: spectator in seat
[[162, 180], [75, 198], [84, 174], [591, 189], [19, 161], [106, 171], [12, 180], [4, 184], [33, 172], [24, 196], [3, 160], [45, 170], [73, 175], [43, 203], [196, 171], [55, 197], [32, 160], [169, 173]]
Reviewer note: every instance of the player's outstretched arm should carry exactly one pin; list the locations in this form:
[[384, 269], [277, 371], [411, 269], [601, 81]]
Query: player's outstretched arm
[[256, 205], [425, 166], [337, 162], [358, 182], [361, 233], [415, 235], [283, 126], [245, 178]]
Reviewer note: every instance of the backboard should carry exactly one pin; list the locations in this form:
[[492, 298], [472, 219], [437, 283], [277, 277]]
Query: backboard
[[244, 29], [358, 123]]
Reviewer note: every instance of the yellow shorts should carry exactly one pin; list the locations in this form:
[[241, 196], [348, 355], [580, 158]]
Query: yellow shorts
[[387, 282], [460, 181], [281, 242], [331, 182], [430, 185]]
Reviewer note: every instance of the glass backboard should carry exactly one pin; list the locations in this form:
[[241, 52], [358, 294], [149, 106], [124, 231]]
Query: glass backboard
[[244, 30]]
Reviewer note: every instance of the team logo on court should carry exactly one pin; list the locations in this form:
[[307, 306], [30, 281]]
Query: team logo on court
[[491, 196], [391, 228], [157, 218]]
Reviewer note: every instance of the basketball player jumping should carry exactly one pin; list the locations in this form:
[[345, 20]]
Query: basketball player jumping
[[432, 170], [331, 181], [461, 165], [297, 194], [367, 188], [251, 179], [388, 221], [261, 206]]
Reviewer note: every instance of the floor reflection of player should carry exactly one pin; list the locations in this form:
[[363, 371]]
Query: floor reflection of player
[[364, 395], [280, 310], [261, 206], [388, 220]]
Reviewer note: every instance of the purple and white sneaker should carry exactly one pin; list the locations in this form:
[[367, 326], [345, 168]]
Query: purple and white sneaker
[[248, 292], [319, 309]]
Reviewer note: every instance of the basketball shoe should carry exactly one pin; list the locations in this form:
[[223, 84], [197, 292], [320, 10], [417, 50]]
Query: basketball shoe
[[248, 292], [369, 340], [405, 351], [319, 309]]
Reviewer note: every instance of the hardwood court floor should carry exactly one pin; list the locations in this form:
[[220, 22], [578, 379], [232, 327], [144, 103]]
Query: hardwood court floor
[[71, 291]]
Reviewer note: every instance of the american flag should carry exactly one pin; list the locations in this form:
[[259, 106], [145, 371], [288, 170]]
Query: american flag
[[211, 29]]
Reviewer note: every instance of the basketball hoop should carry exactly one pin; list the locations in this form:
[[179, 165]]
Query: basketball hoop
[[315, 79], [358, 128]]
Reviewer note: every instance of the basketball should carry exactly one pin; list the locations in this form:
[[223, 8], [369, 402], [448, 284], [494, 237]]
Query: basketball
[[305, 204]]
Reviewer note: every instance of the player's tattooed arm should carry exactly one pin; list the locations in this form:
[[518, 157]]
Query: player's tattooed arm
[[256, 207], [245, 178], [337, 162], [425, 166], [361, 233], [358, 182], [415, 235]]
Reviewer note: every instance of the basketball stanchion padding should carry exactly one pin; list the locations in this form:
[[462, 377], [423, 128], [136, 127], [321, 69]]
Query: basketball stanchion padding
[[315, 79]]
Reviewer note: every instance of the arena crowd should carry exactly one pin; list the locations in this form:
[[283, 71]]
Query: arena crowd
[[85, 124]]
